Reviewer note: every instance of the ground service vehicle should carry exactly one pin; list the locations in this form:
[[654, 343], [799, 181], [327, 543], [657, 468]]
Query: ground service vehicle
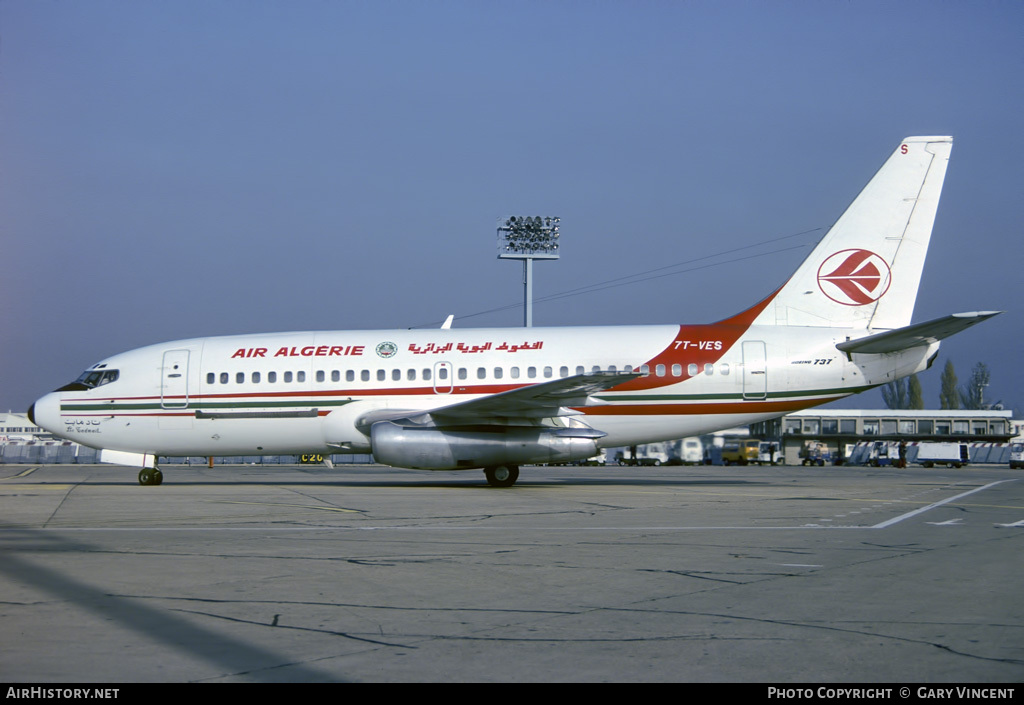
[[769, 453], [691, 451], [813, 453], [741, 452], [1017, 455], [953, 455]]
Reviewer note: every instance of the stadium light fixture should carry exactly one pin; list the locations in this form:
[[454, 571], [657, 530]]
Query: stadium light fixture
[[528, 238]]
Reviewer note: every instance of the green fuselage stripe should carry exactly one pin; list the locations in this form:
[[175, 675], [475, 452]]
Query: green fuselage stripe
[[736, 396], [198, 404]]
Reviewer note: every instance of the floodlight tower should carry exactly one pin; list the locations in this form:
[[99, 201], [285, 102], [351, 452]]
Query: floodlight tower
[[528, 239]]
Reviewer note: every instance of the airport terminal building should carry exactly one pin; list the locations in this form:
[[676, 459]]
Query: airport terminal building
[[839, 431]]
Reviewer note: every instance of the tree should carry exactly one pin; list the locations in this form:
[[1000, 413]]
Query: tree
[[903, 394], [895, 395], [915, 397], [949, 395], [972, 394]]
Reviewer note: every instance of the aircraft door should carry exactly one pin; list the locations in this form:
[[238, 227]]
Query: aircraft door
[[443, 377], [755, 370], [174, 380]]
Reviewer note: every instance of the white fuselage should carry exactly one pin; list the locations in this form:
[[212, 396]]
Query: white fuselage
[[305, 392]]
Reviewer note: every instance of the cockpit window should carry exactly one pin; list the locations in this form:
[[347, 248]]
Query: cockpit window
[[97, 378]]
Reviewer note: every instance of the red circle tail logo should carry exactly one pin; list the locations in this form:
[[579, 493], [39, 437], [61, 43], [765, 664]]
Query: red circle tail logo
[[854, 277]]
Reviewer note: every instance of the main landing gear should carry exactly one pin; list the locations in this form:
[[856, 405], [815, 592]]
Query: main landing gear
[[502, 475], [151, 476]]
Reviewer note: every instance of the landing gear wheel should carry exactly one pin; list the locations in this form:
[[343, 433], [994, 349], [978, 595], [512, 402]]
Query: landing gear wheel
[[150, 476], [502, 475]]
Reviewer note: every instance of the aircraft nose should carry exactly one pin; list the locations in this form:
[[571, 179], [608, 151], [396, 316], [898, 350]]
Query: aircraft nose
[[45, 412]]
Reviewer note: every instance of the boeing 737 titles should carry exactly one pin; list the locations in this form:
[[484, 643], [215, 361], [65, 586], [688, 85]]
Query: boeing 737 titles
[[495, 399]]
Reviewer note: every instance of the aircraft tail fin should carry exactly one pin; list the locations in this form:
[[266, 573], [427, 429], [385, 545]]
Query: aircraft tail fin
[[866, 271]]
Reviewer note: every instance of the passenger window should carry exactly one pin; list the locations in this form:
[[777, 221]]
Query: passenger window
[[381, 375], [271, 377], [659, 370], [426, 374], [531, 372], [463, 373], [396, 375], [300, 376], [563, 371], [645, 370], [579, 369], [547, 372], [514, 373], [691, 369], [287, 377], [364, 375], [481, 373], [350, 376], [210, 378], [320, 376], [708, 368], [411, 375], [442, 373], [255, 377], [498, 372], [677, 370], [223, 377], [239, 378], [723, 368]]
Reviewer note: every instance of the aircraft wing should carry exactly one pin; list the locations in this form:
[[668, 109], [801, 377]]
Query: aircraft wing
[[915, 335], [538, 400], [543, 400]]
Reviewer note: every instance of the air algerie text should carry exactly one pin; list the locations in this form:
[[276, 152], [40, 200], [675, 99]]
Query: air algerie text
[[308, 351]]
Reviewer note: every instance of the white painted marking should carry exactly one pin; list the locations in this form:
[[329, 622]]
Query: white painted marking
[[922, 510]]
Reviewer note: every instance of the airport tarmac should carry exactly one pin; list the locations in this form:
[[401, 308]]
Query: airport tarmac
[[774, 575]]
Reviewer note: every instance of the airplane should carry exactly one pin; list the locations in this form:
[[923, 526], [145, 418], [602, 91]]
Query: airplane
[[497, 398]]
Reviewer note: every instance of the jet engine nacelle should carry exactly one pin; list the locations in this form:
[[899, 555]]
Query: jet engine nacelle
[[431, 448]]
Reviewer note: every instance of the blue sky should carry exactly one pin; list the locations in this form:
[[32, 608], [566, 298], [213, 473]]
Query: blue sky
[[181, 169]]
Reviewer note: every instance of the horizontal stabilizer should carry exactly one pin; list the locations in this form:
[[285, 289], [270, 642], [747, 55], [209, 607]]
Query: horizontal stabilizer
[[916, 335]]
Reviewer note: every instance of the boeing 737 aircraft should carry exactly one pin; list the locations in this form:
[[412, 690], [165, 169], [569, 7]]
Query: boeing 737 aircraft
[[496, 398]]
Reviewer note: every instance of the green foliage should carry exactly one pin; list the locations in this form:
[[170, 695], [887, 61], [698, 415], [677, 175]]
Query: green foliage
[[903, 394], [895, 394], [915, 397], [949, 395], [972, 394]]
